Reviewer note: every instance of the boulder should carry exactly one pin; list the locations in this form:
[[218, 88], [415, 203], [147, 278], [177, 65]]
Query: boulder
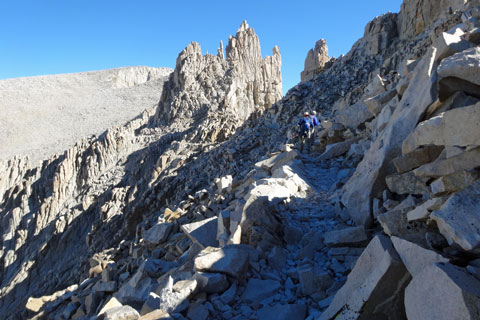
[[374, 287], [416, 158], [231, 260], [111, 303], [457, 100], [376, 104], [336, 149], [355, 115], [211, 282], [457, 127], [459, 218], [158, 234], [169, 297], [120, 313], [313, 280], [283, 312], [407, 183], [347, 237], [276, 161], [224, 183], [257, 290], [465, 161], [414, 257], [423, 211], [368, 181], [449, 44], [464, 65], [204, 232], [442, 291], [453, 182], [156, 315]]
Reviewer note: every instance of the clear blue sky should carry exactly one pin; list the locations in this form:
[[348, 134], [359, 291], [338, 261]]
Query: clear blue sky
[[39, 37]]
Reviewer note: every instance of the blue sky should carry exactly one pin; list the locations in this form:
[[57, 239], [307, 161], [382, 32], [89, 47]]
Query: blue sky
[[39, 37]]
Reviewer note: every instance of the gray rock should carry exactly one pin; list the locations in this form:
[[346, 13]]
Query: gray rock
[[465, 161], [376, 104], [449, 44], [337, 149], [277, 258], [202, 232], [347, 237], [407, 183], [292, 235], [231, 260], [197, 311], [458, 219], [315, 61], [258, 290], [444, 129], [158, 234], [355, 115], [368, 180], [414, 257], [416, 158], [374, 287], [275, 162], [120, 313], [453, 182], [109, 286], [211, 282], [229, 296], [442, 291], [169, 297], [463, 65], [283, 312], [423, 211]]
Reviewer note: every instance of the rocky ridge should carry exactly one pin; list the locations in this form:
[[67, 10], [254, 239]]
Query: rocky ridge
[[262, 231]]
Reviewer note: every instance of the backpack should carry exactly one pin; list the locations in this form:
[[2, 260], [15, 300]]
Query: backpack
[[304, 126]]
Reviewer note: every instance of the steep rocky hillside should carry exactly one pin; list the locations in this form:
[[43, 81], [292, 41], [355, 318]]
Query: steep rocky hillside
[[48, 114], [202, 208]]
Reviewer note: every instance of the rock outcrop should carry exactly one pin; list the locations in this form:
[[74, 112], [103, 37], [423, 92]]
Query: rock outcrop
[[316, 61]]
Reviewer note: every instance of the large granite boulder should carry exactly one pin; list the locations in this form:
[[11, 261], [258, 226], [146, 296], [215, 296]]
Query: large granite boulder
[[369, 179], [374, 288]]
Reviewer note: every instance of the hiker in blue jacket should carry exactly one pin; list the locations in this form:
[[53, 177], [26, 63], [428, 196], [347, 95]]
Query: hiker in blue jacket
[[305, 129]]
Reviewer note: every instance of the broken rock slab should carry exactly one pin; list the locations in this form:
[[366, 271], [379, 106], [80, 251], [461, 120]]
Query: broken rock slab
[[272, 163], [158, 234], [347, 237], [120, 313], [336, 149], [414, 257], [463, 65], [457, 127], [230, 260], [444, 292], [449, 44], [407, 183], [465, 161], [376, 104], [459, 218], [203, 232], [423, 211], [416, 158], [368, 181], [258, 290], [453, 182], [374, 287]]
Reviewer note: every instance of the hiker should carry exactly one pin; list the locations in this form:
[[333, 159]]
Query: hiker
[[315, 122], [305, 128]]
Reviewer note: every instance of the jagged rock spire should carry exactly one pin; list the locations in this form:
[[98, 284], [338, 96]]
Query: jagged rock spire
[[316, 60], [238, 84]]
